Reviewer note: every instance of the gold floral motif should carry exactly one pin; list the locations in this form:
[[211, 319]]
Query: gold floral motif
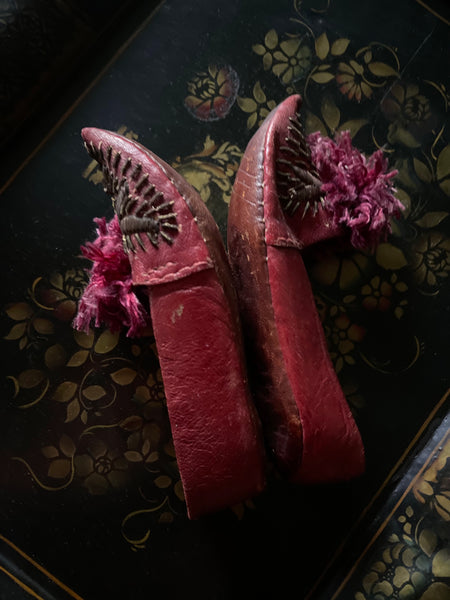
[[212, 93], [413, 559], [211, 172], [351, 81], [101, 468], [343, 336], [290, 62], [433, 486], [430, 258], [378, 294], [258, 106], [99, 445]]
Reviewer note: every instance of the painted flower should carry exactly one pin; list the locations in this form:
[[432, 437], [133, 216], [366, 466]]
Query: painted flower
[[258, 106], [212, 93], [102, 468], [211, 171], [61, 293], [433, 486], [378, 293], [343, 337], [293, 60], [410, 115], [430, 260], [351, 81], [266, 50]]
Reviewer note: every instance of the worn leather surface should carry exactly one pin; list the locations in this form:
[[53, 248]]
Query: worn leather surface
[[215, 429], [279, 309]]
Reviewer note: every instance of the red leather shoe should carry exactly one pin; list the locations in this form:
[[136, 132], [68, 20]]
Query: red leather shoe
[[278, 206], [177, 256]]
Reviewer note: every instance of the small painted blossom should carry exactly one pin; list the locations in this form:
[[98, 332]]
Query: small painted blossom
[[266, 50], [101, 468], [294, 60], [258, 106], [410, 115], [212, 93], [351, 81], [343, 337]]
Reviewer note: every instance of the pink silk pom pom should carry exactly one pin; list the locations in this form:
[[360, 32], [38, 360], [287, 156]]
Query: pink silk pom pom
[[110, 298], [359, 190]]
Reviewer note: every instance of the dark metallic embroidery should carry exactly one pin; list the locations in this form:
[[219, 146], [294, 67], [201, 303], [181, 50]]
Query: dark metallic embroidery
[[144, 214], [298, 181], [150, 217]]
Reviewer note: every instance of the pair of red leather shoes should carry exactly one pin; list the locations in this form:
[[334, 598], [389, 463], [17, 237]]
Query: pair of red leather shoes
[[197, 304]]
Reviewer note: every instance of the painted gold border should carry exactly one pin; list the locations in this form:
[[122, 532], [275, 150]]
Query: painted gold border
[[21, 584], [389, 517], [375, 497], [432, 11], [35, 564]]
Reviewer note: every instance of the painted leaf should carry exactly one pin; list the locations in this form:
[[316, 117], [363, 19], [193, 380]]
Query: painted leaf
[[322, 77], [84, 416], [124, 376], [165, 517], [43, 326], [19, 311], [271, 39], [55, 356], [106, 342], [169, 449], [441, 563], [445, 186], [59, 468], [259, 49], [151, 432], [94, 392], [330, 113], [78, 359], [339, 46], [178, 489], [50, 452], [16, 331], [322, 46], [163, 481], [30, 378], [57, 280], [431, 219], [267, 61], [146, 447], [382, 69], [131, 423], [427, 541], [258, 93], [133, 456], [152, 457], [85, 340], [353, 125], [65, 391], [390, 257], [67, 446], [423, 172], [142, 394], [248, 105], [73, 410], [443, 163]]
